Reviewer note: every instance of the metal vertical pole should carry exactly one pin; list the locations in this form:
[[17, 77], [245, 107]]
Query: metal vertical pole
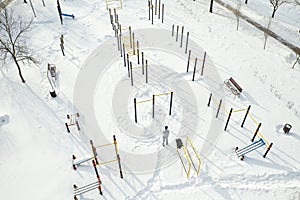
[[182, 30], [143, 63], [138, 51], [195, 66], [131, 74], [209, 100], [159, 3], [153, 104], [117, 18], [135, 113], [128, 65], [246, 116], [269, 148], [187, 42], [59, 12], [110, 17], [172, 30], [163, 11], [188, 64], [219, 108], [130, 39], [149, 6], [171, 100], [152, 13], [34, 10], [117, 34], [228, 119], [155, 7], [94, 151], [211, 6], [124, 55], [115, 29], [118, 156], [133, 43], [146, 71], [177, 33], [98, 177], [121, 49], [257, 129], [203, 63], [115, 15]]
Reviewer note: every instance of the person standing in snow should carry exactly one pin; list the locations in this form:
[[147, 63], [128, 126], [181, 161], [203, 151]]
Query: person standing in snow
[[165, 134]]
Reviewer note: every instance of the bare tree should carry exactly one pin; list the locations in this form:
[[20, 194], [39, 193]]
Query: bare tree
[[276, 4], [13, 41]]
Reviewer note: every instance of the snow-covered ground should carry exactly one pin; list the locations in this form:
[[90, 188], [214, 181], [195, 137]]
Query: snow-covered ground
[[36, 150]]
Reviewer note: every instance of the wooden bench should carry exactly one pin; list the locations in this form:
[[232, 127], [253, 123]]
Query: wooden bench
[[233, 86]]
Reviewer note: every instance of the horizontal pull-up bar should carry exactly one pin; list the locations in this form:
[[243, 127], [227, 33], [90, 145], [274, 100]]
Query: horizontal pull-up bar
[[163, 94], [137, 67], [104, 145], [144, 101], [117, 154], [103, 163], [153, 104], [154, 95], [239, 110]]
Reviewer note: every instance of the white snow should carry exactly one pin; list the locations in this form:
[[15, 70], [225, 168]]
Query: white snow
[[36, 150]]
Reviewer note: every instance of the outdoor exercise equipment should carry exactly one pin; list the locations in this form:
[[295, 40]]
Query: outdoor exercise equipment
[[63, 14], [152, 10], [261, 142], [116, 151], [88, 187], [153, 103], [76, 163], [232, 111], [97, 184], [115, 4], [186, 158], [255, 145], [143, 67], [190, 57], [84, 189], [72, 121], [219, 104]]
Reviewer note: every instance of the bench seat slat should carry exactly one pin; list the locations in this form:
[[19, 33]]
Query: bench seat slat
[[235, 84]]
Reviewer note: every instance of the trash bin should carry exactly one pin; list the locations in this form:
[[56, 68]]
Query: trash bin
[[287, 128], [179, 143], [53, 93]]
